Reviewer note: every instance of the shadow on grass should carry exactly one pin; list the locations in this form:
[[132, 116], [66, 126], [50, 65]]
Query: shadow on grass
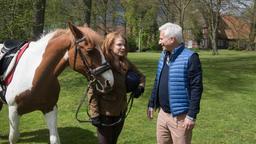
[[68, 135], [230, 74]]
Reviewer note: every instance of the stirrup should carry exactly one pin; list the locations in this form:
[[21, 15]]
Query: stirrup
[[8, 46]]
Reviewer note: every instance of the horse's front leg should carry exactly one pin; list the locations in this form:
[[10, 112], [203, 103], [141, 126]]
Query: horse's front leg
[[51, 119], [14, 120]]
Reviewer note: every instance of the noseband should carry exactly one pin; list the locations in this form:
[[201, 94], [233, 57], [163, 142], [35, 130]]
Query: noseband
[[90, 73]]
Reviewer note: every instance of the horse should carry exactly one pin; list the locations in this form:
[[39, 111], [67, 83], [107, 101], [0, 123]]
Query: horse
[[34, 84]]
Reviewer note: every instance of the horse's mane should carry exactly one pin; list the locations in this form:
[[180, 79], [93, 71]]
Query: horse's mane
[[91, 36], [59, 32]]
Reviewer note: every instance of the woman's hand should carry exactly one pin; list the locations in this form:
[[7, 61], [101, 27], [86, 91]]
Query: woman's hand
[[138, 92]]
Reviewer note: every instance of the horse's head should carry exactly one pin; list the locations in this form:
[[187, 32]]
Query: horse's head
[[86, 57]]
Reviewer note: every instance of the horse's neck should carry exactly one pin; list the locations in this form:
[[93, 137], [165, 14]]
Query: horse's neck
[[56, 49], [60, 67], [52, 62]]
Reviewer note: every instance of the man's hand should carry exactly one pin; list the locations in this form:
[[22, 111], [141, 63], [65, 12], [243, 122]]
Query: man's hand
[[150, 113], [189, 124]]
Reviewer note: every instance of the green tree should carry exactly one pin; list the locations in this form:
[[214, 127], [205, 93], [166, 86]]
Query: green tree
[[252, 21], [174, 10], [210, 10], [141, 17], [88, 11], [54, 17], [16, 19]]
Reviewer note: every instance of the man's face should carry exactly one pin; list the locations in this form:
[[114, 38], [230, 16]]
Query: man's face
[[166, 42]]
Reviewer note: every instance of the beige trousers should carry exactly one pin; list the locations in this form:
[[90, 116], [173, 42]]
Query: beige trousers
[[170, 129]]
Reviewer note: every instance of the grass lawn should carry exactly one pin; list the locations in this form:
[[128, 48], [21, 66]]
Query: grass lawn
[[227, 116]]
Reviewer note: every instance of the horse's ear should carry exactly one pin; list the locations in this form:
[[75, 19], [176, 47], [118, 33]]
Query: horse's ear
[[75, 31]]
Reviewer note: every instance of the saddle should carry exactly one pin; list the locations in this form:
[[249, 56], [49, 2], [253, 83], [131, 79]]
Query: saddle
[[7, 52], [9, 49]]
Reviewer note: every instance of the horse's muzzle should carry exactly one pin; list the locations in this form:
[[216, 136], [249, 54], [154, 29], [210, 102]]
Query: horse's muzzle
[[103, 88], [108, 86]]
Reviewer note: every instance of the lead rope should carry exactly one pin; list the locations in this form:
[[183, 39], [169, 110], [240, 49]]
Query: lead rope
[[82, 100]]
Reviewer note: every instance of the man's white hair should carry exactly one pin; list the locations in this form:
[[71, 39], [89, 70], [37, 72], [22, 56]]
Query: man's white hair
[[172, 30]]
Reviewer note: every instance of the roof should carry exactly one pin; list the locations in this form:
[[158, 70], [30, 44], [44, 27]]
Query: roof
[[233, 28]]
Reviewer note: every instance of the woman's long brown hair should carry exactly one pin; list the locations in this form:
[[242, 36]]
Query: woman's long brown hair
[[120, 64]]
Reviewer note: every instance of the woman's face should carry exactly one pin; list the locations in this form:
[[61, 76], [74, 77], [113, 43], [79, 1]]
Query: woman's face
[[118, 47]]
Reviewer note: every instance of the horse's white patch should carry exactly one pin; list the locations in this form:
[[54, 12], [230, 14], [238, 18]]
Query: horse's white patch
[[66, 56], [108, 75], [25, 69], [51, 119], [14, 124]]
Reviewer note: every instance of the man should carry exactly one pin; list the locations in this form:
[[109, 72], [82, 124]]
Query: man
[[177, 89]]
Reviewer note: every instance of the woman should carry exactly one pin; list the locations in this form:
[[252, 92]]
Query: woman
[[108, 110]]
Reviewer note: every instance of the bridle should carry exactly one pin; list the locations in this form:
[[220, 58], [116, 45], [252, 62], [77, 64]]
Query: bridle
[[91, 74], [93, 83]]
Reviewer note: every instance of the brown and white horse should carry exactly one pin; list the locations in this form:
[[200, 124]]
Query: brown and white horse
[[35, 86]]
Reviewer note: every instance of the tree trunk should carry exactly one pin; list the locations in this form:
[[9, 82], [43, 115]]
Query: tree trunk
[[181, 7], [252, 34], [214, 44], [88, 10], [215, 16], [214, 26], [39, 10], [105, 3]]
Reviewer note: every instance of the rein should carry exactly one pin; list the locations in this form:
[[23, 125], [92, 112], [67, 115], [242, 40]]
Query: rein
[[130, 102], [82, 100]]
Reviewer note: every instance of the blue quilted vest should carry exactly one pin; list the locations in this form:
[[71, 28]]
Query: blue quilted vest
[[178, 79]]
